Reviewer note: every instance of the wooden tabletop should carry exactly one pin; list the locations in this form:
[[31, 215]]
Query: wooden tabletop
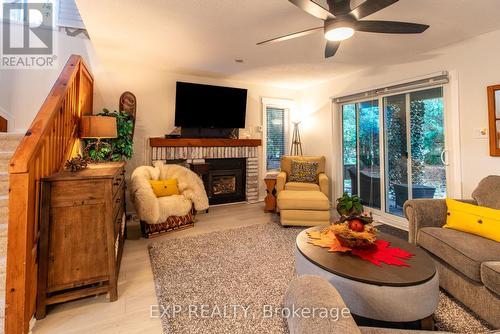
[[104, 170], [421, 268]]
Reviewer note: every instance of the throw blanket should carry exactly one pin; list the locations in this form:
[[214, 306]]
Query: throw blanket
[[155, 210]]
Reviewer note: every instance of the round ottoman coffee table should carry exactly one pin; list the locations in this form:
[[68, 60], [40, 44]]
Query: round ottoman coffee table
[[384, 293]]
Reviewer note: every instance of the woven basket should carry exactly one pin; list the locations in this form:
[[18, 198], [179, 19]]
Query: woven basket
[[352, 239], [171, 224], [354, 243]]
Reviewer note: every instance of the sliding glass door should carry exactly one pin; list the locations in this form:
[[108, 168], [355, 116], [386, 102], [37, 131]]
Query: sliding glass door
[[396, 154], [414, 146], [361, 151]]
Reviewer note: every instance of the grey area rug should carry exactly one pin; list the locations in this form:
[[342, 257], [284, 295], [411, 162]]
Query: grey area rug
[[199, 279]]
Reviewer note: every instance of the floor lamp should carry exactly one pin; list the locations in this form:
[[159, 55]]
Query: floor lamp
[[296, 144]]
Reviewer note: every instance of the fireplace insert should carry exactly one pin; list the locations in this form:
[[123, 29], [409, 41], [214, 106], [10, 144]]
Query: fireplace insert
[[226, 180]]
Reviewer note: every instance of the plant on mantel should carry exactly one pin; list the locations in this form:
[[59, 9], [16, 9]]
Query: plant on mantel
[[120, 148]]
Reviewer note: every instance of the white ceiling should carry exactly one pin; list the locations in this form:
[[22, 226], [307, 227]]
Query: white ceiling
[[203, 37]]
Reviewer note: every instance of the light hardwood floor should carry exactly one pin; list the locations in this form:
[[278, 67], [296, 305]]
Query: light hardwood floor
[[136, 293]]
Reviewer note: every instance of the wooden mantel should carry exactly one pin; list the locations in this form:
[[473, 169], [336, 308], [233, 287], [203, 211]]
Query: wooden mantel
[[203, 142]]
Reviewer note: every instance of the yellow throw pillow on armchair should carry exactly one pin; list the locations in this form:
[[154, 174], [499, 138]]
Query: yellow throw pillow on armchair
[[163, 188], [473, 219]]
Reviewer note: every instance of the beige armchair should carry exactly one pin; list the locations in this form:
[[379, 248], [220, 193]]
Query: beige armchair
[[286, 166]]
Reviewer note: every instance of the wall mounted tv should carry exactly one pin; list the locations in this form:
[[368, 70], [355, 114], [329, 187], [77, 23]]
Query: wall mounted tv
[[204, 106]]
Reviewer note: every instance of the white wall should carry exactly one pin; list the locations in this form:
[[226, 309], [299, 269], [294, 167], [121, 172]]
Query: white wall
[[22, 92], [474, 63], [155, 92]]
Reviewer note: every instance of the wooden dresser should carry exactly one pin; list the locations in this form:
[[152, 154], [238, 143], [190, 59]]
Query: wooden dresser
[[82, 231]]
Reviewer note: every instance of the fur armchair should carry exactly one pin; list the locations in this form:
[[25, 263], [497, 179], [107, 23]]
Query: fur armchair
[[159, 215]]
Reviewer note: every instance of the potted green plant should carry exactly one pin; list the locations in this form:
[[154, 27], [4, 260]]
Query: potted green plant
[[354, 228], [119, 148]]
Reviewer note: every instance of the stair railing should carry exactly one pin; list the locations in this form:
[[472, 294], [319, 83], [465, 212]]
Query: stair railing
[[51, 139]]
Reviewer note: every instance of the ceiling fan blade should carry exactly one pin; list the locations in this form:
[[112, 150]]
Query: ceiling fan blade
[[331, 48], [313, 8], [339, 7], [391, 27], [371, 6], [291, 36]]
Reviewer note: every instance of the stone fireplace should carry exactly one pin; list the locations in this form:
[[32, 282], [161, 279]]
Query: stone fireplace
[[234, 164]]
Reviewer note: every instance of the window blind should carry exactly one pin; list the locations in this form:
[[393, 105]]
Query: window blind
[[275, 137], [69, 15], [434, 80]]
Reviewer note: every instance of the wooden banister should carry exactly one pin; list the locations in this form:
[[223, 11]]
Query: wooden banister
[[51, 139]]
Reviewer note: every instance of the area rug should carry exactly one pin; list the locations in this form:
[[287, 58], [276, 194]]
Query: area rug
[[232, 281]]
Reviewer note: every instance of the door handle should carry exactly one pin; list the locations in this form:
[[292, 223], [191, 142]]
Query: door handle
[[443, 154]]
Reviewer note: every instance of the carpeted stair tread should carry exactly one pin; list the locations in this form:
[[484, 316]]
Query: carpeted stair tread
[[4, 183], [9, 141], [4, 160]]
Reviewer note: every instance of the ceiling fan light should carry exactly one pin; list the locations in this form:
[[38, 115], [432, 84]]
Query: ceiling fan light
[[339, 34]]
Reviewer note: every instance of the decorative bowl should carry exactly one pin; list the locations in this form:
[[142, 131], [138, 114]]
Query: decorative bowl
[[353, 239]]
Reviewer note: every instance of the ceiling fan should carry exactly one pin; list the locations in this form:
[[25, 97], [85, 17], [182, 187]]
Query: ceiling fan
[[342, 21]]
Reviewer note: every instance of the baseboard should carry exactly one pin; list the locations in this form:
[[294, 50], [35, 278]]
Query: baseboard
[[395, 224]]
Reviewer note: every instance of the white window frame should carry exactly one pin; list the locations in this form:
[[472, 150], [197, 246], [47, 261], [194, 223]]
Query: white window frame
[[452, 145], [289, 107], [56, 23]]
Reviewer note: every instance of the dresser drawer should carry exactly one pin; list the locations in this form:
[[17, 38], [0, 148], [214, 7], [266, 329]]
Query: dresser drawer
[[64, 193]]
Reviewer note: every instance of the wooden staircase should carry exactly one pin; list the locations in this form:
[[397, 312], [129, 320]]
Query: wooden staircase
[[8, 145], [52, 138]]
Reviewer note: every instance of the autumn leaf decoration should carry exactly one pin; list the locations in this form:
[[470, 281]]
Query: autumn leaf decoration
[[327, 239], [381, 252]]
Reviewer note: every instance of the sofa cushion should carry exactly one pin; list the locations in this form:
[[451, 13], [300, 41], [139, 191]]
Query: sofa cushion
[[487, 192], [302, 200], [301, 186], [463, 251], [474, 219], [490, 276], [304, 217]]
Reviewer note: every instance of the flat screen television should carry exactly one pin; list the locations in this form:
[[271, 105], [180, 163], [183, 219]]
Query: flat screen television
[[205, 106]]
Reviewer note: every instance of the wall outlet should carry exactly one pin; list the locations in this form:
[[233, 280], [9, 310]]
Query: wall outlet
[[480, 133]]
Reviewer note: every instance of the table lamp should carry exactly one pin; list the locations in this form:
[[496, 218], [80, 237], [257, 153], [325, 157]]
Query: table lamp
[[98, 127]]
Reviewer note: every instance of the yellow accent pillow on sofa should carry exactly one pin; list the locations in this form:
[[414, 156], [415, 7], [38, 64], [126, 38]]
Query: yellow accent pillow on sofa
[[163, 188], [473, 219]]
